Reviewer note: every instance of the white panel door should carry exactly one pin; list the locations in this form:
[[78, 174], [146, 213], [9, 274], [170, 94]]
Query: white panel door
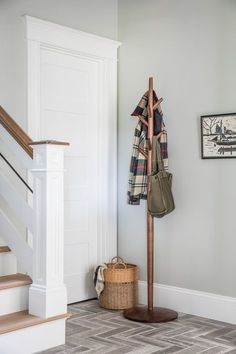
[[69, 112]]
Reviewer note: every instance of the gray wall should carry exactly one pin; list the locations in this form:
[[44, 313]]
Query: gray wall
[[94, 16], [189, 47]]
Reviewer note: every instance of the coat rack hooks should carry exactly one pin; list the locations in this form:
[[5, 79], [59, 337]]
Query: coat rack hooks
[[150, 313]]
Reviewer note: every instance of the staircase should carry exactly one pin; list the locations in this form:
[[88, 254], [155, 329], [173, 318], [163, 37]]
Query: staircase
[[33, 300]]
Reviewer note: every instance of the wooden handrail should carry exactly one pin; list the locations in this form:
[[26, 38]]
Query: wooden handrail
[[49, 142], [16, 132]]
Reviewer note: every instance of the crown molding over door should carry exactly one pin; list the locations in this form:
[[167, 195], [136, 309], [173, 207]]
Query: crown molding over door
[[45, 40]]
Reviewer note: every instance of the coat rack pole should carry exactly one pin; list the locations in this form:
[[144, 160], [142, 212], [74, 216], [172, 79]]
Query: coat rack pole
[[149, 313], [150, 222]]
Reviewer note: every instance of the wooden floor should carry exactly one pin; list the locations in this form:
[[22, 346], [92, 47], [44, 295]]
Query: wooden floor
[[92, 329]]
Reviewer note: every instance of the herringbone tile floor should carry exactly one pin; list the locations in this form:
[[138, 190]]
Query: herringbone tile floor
[[92, 329]]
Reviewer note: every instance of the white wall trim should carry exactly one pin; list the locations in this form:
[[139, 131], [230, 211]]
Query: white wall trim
[[57, 35], [199, 303]]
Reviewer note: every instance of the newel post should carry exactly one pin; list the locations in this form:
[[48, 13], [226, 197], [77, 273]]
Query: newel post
[[47, 294]]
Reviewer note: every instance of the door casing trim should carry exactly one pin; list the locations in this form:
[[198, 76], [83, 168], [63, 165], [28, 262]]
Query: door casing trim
[[41, 35]]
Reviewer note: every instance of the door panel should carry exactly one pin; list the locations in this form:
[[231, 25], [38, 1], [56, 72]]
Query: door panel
[[69, 106]]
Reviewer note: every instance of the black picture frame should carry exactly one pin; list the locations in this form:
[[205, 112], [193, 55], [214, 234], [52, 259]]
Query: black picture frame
[[218, 136]]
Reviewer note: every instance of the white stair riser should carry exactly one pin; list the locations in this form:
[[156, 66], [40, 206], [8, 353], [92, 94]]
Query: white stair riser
[[8, 263], [14, 300], [33, 339]]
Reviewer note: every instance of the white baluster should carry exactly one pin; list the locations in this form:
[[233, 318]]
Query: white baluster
[[47, 294]]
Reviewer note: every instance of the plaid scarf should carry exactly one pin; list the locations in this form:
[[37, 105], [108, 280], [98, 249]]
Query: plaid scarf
[[137, 184]]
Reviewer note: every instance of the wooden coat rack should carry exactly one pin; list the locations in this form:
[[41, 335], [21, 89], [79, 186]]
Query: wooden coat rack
[[150, 313]]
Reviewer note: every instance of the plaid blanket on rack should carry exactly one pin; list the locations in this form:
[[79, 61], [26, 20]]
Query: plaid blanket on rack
[[137, 184]]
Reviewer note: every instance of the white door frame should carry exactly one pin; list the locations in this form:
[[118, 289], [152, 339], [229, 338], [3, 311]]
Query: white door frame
[[43, 34]]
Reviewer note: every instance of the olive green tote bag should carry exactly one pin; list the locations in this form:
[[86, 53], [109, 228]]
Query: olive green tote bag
[[160, 198]]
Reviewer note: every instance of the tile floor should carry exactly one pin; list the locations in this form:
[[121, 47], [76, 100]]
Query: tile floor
[[92, 329]]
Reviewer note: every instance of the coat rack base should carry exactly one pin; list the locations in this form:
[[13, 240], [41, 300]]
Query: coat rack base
[[157, 314]]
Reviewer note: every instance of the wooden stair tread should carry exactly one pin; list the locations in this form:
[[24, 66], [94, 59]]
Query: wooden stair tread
[[14, 281], [4, 249], [22, 319]]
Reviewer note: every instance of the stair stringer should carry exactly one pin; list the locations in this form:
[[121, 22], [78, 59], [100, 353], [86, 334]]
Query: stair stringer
[[14, 240]]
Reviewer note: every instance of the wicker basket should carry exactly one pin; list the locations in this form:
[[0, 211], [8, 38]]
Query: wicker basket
[[120, 288]]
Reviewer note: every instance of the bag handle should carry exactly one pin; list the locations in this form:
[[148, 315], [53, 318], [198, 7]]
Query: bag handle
[[157, 162]]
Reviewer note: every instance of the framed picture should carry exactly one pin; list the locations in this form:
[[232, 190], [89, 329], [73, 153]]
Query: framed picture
[[218, 136]]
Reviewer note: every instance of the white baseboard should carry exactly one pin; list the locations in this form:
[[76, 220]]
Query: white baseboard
[[217, 307]]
